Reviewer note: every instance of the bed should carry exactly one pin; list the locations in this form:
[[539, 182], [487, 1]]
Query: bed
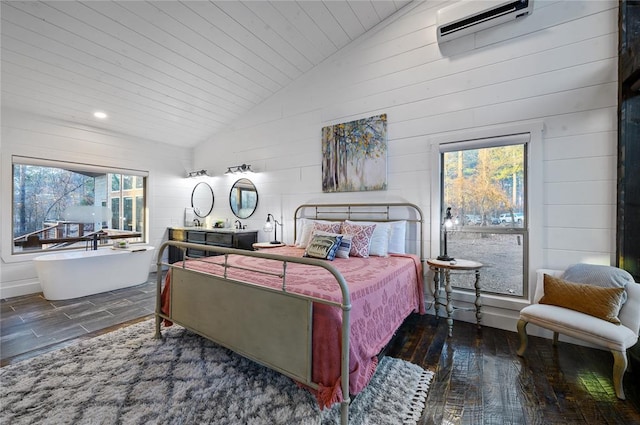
[[319, 322]]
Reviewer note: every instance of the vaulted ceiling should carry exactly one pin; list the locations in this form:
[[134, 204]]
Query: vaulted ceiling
[[169, 71]]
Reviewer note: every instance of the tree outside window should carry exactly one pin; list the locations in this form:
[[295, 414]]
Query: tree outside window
[[486, 190], [57, 207]]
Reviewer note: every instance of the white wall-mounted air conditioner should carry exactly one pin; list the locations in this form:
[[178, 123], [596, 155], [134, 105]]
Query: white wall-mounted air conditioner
[[469, 16]]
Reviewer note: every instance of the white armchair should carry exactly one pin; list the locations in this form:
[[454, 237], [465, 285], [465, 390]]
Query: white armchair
[[616, 338]]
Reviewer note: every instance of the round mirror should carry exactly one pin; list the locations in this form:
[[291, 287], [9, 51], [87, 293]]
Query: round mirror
[[243, 198], [202, 199]]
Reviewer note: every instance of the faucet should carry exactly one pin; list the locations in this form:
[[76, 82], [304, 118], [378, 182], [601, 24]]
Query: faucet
[[196, 222], [238, 225]]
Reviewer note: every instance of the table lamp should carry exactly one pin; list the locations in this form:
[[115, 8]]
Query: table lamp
[[448, 223]]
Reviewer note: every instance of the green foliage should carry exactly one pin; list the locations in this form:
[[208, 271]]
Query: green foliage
[[41, 194], [484, 181]]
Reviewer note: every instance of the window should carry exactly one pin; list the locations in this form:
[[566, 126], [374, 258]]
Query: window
[[484, 183], [59, 205], [115, 218]]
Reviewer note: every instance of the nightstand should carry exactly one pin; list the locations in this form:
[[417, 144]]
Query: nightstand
[[266, 245], [446, 268]]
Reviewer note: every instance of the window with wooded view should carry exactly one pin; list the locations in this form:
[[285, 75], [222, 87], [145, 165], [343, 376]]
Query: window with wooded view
[[72, 205], [486, 190]]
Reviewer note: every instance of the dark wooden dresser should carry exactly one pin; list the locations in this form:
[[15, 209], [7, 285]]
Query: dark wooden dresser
[[228, 238]]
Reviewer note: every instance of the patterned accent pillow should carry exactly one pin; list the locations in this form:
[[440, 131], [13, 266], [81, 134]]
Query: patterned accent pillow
[[604, 303], [323, 246], [379, 246], [360, 238], [305, 230], [345, 247], [326, 227], [345, 243]]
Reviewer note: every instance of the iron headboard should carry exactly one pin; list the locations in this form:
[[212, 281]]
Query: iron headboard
[[381, 212]]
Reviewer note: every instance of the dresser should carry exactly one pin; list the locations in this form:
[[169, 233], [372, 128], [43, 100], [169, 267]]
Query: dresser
[[228, 238]]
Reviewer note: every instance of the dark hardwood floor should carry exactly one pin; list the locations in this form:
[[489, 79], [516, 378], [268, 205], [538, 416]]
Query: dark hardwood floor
[[479, 379], [31, 325]]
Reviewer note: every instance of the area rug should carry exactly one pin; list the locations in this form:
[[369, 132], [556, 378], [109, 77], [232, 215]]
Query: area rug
[[128, 377]]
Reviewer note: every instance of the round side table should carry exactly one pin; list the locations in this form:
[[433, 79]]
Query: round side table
[[445, 268], [265, 245]]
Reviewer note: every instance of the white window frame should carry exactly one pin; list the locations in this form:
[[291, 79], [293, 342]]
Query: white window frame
[[534, 169]]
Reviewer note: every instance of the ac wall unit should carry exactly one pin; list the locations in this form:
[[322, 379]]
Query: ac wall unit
[[469, 16]]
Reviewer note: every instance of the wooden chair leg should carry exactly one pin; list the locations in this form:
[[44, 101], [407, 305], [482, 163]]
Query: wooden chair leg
[[555, 338], [619, 367], [522, 331]]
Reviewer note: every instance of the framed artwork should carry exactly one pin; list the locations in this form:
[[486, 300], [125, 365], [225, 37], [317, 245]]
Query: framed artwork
[[354, 155]]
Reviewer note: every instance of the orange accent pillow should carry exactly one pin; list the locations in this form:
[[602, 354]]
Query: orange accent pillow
[[604, 303]]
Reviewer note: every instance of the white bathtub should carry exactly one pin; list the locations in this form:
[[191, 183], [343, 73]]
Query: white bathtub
[[76, 274]]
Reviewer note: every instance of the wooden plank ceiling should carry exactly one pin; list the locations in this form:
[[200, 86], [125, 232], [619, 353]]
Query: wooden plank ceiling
[[168, 71]]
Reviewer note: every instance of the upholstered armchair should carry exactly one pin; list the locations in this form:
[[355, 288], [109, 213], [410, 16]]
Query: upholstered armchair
[[616, 330]]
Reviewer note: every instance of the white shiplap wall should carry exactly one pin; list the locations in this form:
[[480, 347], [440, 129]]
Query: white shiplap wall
[[29, 135], [557, 66]]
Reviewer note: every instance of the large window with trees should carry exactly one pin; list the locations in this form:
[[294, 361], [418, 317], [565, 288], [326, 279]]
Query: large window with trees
[[60, 205], [484, 183]]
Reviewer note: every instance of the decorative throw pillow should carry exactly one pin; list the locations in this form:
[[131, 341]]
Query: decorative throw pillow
[[331, 227], [306, 225], [360, 237], [345, 247], [600, 275], [379, 246], [323, 246], [345, 243], [604, 303]]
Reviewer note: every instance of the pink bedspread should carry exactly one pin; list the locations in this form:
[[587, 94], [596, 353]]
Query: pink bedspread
[[384, 291]]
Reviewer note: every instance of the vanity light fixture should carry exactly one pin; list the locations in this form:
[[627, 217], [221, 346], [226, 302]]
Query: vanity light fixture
[[269, 226], [448, 223], [198, 173], [244, 168]]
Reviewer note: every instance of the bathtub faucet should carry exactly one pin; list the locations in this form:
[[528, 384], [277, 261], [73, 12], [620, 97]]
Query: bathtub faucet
[[96, 236]]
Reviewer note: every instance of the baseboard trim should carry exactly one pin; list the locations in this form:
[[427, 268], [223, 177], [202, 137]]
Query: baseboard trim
[[24, 288], [506, 320]]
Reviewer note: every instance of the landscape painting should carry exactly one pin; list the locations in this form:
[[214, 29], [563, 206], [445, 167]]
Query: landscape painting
[[354, 155]]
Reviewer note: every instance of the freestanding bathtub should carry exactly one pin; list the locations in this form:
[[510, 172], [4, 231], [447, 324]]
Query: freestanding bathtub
[[76, 274]]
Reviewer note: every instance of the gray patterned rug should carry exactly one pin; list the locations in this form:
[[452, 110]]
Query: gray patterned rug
[[127, 377]]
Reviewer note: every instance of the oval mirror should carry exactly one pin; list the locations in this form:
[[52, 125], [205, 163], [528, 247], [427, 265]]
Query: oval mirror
[[202, 199], [243, 198]]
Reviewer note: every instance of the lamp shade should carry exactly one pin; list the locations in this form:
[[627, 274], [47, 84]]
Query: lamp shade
[[270, 225]]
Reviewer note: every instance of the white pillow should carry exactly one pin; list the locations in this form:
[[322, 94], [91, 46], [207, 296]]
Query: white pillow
[[379, 246], [397, 237], [305, 228]]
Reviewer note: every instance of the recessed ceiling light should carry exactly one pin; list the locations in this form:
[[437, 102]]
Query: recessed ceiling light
[[100, 115]]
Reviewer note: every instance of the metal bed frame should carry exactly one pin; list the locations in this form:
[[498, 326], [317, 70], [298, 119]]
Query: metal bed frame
[[275, 327]]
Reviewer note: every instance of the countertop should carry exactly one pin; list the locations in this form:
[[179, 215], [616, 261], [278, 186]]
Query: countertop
[[217, 230]]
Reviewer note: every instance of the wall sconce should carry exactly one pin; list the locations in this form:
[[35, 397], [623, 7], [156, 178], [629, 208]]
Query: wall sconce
[[269, 226], [244, 168], [448, 223], [198, 173]]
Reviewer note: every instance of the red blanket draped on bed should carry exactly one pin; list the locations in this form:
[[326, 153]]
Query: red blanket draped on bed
[[384, 291]]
